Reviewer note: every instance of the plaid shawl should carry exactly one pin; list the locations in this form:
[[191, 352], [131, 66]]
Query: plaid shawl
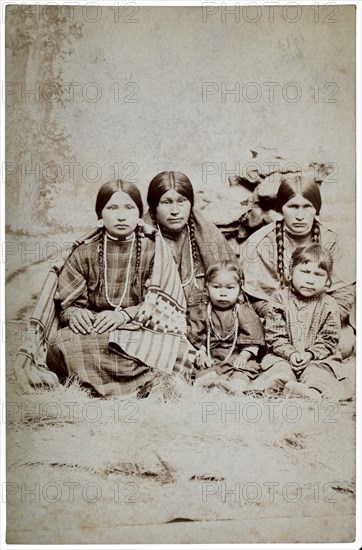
[[156, 335]]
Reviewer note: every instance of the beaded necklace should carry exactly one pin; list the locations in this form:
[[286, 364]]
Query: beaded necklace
[[191, 261], [186, 283], [117, 307], [210, 326]]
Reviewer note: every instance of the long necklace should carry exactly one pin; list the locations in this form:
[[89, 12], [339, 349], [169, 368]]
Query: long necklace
[[185, 284], [210, 326], [191, 261], [116, 306]]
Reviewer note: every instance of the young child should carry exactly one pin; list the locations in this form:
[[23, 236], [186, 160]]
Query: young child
[[226, 331], [302, 331]]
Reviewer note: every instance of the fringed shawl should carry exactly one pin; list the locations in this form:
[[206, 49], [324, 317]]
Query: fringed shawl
[[159, 327]]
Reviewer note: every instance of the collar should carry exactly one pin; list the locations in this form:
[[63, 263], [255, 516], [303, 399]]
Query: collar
[[111, 238]]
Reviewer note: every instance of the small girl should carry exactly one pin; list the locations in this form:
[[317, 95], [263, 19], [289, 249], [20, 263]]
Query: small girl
[[226, 331], [302, 331]]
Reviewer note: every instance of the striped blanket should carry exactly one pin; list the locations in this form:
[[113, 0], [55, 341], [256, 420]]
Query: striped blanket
[[44, 321], [157, 334]]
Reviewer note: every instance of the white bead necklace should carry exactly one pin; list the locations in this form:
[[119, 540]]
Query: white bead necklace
[[117, 307], [210, 326]]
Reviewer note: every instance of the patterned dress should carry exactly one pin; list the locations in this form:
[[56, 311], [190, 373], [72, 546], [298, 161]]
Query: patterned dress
[[259, 261], [297, 324], [88, 357]]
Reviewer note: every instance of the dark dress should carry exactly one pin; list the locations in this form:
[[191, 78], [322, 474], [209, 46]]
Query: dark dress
[[250, 337]]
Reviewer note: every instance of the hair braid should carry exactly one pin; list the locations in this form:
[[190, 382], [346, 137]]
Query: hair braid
[[280, 252], [154, 218], [316, 232], [193, 240], [138, 253], [100, 260]]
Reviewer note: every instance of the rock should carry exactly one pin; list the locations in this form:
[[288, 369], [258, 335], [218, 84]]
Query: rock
[[268, 188], [226, 207]]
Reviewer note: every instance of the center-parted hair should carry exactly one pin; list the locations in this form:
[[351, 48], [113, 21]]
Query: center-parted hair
[[104, 194], [165, 181], [228, 266], [159, 185], [314, 253], [110, 187], [303, 184]]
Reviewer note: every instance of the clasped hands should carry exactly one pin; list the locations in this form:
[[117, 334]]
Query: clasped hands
[[203, 361], [299, 360], [84, 321]]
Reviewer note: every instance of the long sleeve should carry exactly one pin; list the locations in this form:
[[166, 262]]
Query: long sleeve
[[276, 333], [326, 341], [344, 297], [196, 326], [73, 288], [251, 330]]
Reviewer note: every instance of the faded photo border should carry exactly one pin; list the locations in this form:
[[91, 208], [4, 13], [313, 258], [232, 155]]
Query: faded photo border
[[93, 146]]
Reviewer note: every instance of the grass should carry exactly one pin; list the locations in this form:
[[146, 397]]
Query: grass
[[180, 454]]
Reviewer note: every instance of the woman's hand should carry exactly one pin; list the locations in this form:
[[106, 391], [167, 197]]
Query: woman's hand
[[299, 361], [109, 320], [81, 320], [202, 359], [242, 359]]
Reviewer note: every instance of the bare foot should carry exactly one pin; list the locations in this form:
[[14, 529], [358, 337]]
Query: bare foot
[[297, 388], [206, 380], [236, 387]]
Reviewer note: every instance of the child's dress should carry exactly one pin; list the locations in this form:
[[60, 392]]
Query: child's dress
[[250, 335], [297, 324]]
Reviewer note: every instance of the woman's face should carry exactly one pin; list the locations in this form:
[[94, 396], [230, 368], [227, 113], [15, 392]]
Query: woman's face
[[173, 211], [120, 215], [299, 214]]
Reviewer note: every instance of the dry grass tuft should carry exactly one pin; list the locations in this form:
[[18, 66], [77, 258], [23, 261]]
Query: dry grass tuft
[[180, 453]]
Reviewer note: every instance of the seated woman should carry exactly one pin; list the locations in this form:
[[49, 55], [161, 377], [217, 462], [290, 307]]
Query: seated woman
[[266, 254], [121, 302], [195, 242]]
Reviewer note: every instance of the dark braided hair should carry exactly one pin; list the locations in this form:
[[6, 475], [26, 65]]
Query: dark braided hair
[[178, 181], [191, 225], [280, 252], [100, 261], [139, 236], [291, 185], [104, 194]]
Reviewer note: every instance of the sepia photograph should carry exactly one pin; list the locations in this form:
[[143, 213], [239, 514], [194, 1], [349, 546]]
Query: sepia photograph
[[180, 200]]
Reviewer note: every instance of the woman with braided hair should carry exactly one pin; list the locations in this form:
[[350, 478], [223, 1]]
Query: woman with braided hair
[[266, 254], [109, 291], [195, 242]]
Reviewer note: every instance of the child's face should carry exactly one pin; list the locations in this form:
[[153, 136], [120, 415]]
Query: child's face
[[120, 215], [309, 279], [173, 211], [223, 290]]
